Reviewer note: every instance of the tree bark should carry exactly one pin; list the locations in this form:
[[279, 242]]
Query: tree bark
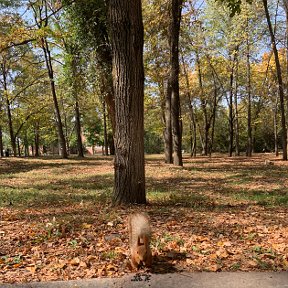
[[248, 90], [168, 145], [47, 55], [8, 109], [1, 143], [37, 139], [126, 32], [75, 90], [42, 21], [237, 137], [105, 129], [285, 4], [231, 118], [233, 54], [193, 127], [174, 82], [206, 126], [280, 81], [275, 126]]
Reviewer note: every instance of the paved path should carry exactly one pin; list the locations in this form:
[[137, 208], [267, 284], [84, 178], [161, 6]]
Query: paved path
[[178, 280]]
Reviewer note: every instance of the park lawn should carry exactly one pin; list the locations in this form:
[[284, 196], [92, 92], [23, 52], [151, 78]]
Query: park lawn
[[215, 214]]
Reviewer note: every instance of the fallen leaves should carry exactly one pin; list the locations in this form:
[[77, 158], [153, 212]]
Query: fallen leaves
[[198, 224]]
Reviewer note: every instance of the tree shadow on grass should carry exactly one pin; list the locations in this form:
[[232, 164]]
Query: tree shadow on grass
[[20, 165]]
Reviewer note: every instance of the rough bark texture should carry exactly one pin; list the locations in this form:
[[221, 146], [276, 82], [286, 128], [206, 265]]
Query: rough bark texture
[[174, 82], [280, 81], [126, 31]]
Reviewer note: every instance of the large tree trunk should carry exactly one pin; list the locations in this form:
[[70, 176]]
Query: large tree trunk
[[174, 82], [126, 31], [168, 145], [280, 81]]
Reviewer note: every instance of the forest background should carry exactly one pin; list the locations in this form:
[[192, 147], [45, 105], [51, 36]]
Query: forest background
[[229, 90], [215, 85]]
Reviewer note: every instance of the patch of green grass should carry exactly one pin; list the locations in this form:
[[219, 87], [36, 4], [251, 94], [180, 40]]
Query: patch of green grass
[[73, 243], [263, 198], [235, 266], [46, 197]]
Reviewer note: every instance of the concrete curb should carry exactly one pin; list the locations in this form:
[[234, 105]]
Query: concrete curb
[[181, 280]]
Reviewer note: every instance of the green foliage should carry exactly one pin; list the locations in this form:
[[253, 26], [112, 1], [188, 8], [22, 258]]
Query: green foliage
[[234, 5], [10, 3]]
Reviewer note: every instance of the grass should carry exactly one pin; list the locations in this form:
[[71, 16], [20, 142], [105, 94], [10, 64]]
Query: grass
[[204, 183]]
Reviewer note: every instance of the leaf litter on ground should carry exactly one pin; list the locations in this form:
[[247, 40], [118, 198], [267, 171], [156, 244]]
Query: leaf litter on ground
[[214, 214]]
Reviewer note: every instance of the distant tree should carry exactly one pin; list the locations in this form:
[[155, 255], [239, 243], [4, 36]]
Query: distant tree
[[280, 80], [40, 11]]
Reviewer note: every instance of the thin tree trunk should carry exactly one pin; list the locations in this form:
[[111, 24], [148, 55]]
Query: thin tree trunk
[[203, 107], [26, 146], [237, 145], [231, 120], [248, 90], [46, 51], [18, 146], [174, 82], [42, 21], [126, 33], [36, 139], [80, 148], [280, 81], [193, 127], [213, 116], [168, 129], [8, 109], [105, 129], [285, 2], [75, 90], [275, 125], [1, 143]]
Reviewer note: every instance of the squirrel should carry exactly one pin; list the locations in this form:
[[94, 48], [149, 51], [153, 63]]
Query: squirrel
[[139, 240]]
